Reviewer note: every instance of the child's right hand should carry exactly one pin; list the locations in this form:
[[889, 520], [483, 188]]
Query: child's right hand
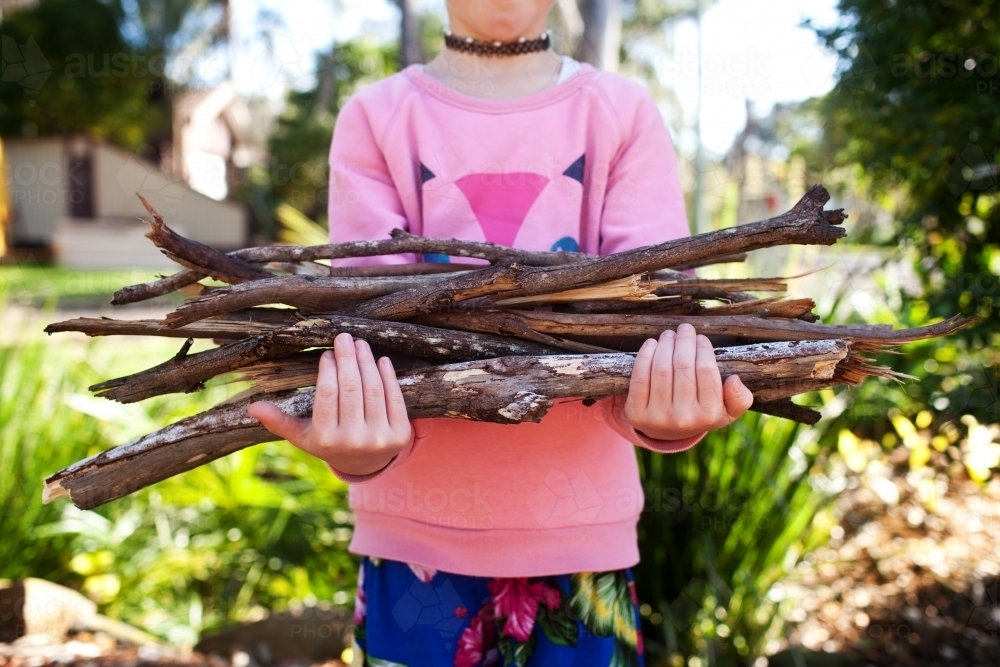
[[359, 420]]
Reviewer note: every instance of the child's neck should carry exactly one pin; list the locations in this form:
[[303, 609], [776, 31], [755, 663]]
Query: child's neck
[[498, 78]]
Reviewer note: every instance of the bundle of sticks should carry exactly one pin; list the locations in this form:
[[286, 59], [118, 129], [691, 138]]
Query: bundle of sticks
[[495, 339]]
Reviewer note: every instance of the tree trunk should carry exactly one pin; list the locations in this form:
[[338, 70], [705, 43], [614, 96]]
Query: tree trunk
[[410, 47], [602, 33]]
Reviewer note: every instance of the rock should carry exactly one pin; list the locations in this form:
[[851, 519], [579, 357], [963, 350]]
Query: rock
[[35, 606], [302, 637]]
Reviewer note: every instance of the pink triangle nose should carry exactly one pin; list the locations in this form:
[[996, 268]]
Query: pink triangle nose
[[500, 201]]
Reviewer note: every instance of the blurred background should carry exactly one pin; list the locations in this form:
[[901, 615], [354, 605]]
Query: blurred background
[[869, 538]]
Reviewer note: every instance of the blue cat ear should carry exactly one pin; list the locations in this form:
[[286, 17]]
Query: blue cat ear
[[575, 170], [566, 244], [426, 174]]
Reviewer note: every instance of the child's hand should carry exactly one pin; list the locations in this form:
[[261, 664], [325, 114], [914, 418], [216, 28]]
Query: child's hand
[[676, 391], [359, 418]]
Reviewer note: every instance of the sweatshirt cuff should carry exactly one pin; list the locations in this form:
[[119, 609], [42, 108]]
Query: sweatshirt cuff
[[617, 406], [418, 433]]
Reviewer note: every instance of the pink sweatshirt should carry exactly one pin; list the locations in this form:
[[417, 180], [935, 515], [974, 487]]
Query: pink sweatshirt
[[585, 165]]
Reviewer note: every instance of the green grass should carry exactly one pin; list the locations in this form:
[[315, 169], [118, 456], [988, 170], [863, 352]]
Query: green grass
[[722, 523], [261, 529], [38, 283]]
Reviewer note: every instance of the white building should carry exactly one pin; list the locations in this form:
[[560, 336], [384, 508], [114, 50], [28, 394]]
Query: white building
[[77, 197]]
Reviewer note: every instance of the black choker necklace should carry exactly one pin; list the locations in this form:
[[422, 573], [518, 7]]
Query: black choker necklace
[[482, 48]]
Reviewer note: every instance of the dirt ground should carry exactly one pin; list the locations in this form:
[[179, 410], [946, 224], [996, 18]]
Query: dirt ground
[[903, 585]]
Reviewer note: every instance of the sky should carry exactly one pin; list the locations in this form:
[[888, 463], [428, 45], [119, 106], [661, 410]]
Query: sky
[[753, 50]]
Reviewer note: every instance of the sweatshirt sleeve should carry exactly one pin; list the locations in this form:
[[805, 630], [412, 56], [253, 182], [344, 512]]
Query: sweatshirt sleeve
[[644, 202], [364, 202], [421, 427], [613, 408]]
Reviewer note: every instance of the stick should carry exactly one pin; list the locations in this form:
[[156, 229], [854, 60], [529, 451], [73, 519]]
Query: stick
[[795, 366], [867, 338], [402, 242], [508, 390], [399, 243], [306, 292], [783, 407], [198, 256], [728, 259], [189, 373], [806, 223], [100, 326]]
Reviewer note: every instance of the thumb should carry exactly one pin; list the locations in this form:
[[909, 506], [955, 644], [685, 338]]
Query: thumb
[[736, 396], [277, 422]]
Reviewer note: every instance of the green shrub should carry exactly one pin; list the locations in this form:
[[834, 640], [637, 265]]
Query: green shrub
[[722, 523], [262, 529]]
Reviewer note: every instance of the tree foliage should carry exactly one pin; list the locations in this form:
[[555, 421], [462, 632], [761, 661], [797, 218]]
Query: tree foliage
[[67, 70], [297, 171], [916, 111]]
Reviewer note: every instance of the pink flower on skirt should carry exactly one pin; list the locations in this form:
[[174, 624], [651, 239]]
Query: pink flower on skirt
[[424, 574], [360, 600], [476, 643], [518, 600]]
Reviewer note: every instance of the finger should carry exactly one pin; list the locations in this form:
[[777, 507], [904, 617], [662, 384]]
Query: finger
[[707, 373], [737, 397], [351, 406], [277, 422], [395, 404], [642, 375], [661, 386], [685, 349], [325, 408], [371, 385]]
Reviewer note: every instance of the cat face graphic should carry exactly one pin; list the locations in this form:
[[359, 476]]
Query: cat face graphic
[[501, 202]]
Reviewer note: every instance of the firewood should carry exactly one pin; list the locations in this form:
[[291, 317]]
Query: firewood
[[306, 292], [198, 256], [400, 242], [866, 338], [188, 373], [503, 329], [507, 390], [807, 223]]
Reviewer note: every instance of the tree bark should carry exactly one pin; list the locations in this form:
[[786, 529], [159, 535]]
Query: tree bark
[[507, 390], [400, 242], [310, 293], [187, 373], [198, 256], [806, 223], [601, 39], [410, 48], [864, 338]]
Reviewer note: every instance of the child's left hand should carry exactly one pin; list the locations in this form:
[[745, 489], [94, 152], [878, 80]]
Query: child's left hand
[[676, 390]]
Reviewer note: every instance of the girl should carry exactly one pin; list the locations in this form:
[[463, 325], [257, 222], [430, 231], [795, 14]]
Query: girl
[[483, 543]]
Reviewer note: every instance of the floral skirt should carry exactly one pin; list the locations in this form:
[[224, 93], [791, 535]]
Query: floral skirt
[[411, 616]]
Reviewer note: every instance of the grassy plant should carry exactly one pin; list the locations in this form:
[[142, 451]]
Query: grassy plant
[[38, 434], [721, 524], [262, 529], [32, 283]]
